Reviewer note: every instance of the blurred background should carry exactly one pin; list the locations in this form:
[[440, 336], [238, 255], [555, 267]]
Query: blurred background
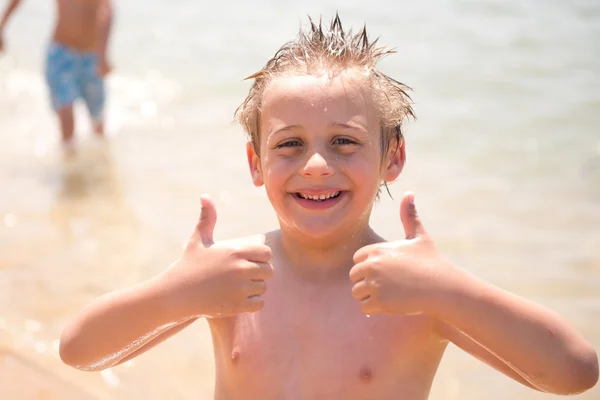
[[504, 159]]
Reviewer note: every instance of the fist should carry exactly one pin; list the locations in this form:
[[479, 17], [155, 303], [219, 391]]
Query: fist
[[400, 277], [219, 279]]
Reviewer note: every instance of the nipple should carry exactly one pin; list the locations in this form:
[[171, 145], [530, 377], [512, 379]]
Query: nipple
[[235, 356], [366, 375]]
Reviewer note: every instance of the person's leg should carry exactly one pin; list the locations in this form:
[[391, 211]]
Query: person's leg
[[67, 124], [93, 93], [98, 128], [60, 76]]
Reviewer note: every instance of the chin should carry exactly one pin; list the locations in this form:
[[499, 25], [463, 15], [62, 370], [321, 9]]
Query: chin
[[322, 231]]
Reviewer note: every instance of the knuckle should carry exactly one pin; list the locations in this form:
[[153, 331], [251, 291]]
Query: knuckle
[[378, 251], [239, 272], [375, 263], [236, 251], [412, 210]]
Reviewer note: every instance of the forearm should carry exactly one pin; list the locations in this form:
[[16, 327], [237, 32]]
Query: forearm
[[157, 340], [12, 6], [536, 343], [105, 21], [118, 324]]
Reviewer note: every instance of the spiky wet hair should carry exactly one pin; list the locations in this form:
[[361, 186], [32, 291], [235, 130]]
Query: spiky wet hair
[[333, 50]]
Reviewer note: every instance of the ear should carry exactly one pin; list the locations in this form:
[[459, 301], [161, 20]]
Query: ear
[[394, 160], [254, 164]]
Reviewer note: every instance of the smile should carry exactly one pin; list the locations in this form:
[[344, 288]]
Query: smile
[[319, 197]]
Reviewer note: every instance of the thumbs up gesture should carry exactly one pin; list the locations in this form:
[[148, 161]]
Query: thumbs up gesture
[[218, 279], [400, 277]]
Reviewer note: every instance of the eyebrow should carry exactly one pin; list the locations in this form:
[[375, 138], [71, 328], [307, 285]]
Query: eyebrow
[[285, 128], [345, 126], [355, 128], [331, 125]]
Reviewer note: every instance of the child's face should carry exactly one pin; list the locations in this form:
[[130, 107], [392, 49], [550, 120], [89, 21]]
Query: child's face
[[320, 153]]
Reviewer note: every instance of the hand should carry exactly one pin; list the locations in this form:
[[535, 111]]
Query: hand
[[401, 277], [104, 67], [222, 279]]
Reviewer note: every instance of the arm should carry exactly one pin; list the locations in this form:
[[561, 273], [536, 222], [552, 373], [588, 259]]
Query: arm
[[519, 338], [12, 6], [213, 281], [121, 325], [462, 341], [105, 20]]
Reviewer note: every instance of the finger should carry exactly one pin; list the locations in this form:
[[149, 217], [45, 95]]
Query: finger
[[357, 273], [413, 227], [366, 305], [256, 288], [206, 224], [261, 271], [253, 304], [254, 252], [360, 290], [363, 253], [266, 271]]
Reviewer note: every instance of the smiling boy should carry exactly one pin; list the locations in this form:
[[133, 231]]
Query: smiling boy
[[346, 315]]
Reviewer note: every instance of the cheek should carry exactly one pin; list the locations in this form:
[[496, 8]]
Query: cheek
[[276, 171], [364, 168]]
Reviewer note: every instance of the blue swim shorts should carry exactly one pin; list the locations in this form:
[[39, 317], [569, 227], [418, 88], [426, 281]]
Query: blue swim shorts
[[70, 75]]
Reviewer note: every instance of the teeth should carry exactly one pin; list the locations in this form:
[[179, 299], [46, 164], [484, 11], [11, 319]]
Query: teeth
[[319, 197]]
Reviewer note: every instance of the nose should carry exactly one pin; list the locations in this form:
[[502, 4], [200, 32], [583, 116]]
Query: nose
[[317, 166]]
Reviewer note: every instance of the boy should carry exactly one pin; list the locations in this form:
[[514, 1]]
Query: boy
[[346, 315], [76, 62]]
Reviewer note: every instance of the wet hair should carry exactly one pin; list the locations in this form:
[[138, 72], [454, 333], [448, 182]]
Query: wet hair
[[332, 50]]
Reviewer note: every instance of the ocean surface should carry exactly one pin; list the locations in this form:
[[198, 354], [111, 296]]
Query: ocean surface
[[504, 159]]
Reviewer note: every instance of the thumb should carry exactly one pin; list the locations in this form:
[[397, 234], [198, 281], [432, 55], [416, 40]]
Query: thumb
[[409, 217], [207, 221]]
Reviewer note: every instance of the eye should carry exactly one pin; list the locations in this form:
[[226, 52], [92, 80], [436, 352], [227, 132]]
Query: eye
[[289, 143], [344, 141]]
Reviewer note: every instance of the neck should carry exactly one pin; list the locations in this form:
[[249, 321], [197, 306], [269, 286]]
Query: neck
[[319, 259]]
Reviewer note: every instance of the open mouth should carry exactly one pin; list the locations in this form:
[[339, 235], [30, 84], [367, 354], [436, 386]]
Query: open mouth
[[319, 197]]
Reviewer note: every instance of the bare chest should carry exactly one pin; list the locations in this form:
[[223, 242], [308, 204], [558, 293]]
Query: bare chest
[[317, 347]]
